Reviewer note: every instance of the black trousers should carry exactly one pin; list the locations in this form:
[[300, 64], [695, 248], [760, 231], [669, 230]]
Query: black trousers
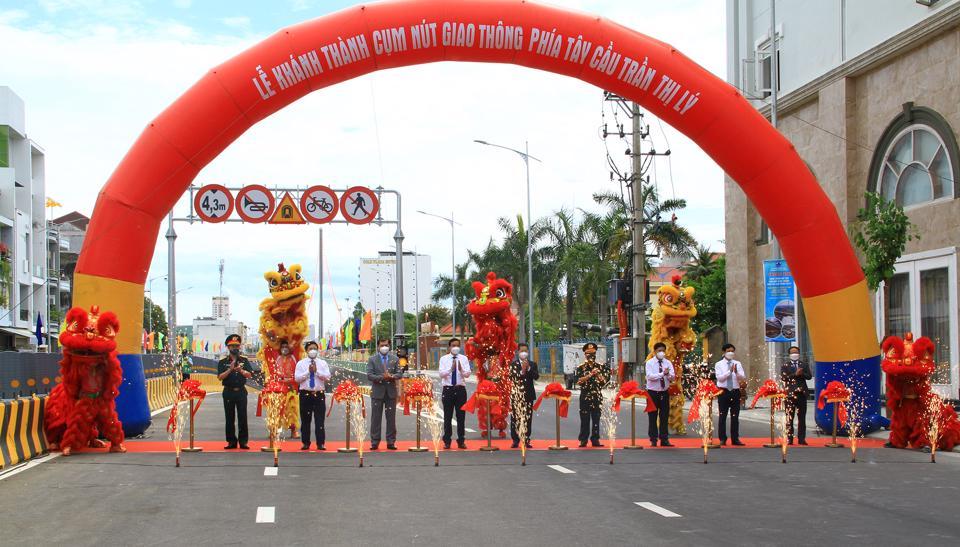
[[797, 404], [235, 408], [589, 425], [658, 421], [313, 406], [729, 403], [527, 417], [454, 397]]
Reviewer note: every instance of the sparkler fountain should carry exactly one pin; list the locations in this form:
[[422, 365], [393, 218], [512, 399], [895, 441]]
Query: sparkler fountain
[[435, 426], [610, 418], [706, 392]]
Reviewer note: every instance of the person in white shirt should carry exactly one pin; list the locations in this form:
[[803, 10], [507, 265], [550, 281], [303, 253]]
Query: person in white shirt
[[730, 376], [312, 374], [660, 373], [454, 370]]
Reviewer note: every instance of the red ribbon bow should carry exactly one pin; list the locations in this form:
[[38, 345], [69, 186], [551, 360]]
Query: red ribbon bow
[[706, 389], [189, 389], [485, 390], [837, 391], [770, 388], [631, 390], [417, 390], [347, 392], [555, 391]]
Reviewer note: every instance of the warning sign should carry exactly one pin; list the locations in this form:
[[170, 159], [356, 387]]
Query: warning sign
[[319, 204], [287, 212], [255, 203], [213, 203], [359, 205]]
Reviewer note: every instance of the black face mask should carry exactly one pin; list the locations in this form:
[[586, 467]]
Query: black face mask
[[234, 351]]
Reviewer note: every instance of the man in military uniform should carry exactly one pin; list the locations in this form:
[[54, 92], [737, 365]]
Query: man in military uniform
[[591, 377], [233, 371]]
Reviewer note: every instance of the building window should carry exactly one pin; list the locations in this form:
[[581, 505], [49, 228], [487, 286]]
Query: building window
[[916, 161]]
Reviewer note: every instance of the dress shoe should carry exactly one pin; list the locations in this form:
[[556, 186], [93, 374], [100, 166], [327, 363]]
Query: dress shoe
[[244, 447], [461, 444], [230, 446], [391, 447], [790, 442], [305, 447], [723, 442], [888, 445], [803, 442], [529, 444], [514, 445], [597, 444], [374, 447], [583, 444], [653, 443], [321, 447], [446, 446], [666, 444], [738, 443]]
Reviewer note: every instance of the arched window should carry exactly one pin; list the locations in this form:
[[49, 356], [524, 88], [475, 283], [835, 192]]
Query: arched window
[[916, 160]]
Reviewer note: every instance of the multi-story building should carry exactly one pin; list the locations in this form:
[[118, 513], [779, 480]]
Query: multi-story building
[[72, 228], [378, 289], [221, 307], [212, 331], [23, 229], [869, 94]]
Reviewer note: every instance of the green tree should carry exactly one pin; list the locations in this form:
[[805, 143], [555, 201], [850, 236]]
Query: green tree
[[386, 321], [608, 239], [710, 294], [568, 251], [702, 264], [881, 233], [437, 313], [154, 316], [443, 289]]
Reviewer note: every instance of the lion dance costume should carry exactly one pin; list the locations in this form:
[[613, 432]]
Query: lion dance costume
[[909, 365], [283, 318], [493, 345], [670, 324], [82, 407]]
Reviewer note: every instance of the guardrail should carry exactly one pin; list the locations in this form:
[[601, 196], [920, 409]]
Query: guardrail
[[21, 430]]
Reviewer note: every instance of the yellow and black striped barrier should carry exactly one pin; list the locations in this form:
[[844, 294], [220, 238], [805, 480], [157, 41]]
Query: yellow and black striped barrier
[[21, 430], [161, 393]]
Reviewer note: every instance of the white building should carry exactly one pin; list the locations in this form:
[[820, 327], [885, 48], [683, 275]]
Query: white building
[[23, 228], [221, 307], [378, 288], [869, 95], [214, 331]]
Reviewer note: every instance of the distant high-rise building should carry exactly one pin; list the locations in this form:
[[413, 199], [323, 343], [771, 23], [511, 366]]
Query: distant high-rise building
[[221, 307]]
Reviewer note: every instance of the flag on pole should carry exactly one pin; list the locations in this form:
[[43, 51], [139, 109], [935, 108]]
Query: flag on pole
[[160, 341], [53, 203], [206, 346], [365, 327], [39, 332], [348, 335]]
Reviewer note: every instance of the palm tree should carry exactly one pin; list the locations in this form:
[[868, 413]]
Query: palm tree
[[568, 251], [701, 265], [442, 290], [609, 240]]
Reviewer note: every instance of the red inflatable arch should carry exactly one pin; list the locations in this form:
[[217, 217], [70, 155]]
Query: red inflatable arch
[[325, 51]]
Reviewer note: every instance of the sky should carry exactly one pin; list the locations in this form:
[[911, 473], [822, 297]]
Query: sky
[[94, 73]]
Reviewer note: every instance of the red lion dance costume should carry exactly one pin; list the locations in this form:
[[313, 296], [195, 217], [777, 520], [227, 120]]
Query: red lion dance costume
[[493, 345], [82, 407], [908, 366]]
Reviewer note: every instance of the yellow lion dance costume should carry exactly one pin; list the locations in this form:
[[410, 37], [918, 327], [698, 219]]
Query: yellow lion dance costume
[[670, 324], [283, 318]]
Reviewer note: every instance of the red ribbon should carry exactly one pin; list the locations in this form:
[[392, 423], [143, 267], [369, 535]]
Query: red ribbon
[[485, 388], [347, 392], [705, 389], [189, 389], [414, 391], [555, 391], [838, 391], [631, 390], [768, 389]]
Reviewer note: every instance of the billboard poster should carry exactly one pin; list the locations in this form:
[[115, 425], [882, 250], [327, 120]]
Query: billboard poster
[[780, 302]]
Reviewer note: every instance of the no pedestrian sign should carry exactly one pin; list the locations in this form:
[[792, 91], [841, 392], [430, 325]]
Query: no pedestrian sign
[[255, 203], [359, 205], [319, 204], [213, 203]]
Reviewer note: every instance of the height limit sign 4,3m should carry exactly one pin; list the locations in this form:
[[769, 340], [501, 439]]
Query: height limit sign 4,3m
[[213, 203]]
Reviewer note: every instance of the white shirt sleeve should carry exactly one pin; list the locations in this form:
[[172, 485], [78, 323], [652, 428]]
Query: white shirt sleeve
[[653, 371], [302, 371], [323, 370], [464, 365], [722, 370], [670, 372], [445, 366]]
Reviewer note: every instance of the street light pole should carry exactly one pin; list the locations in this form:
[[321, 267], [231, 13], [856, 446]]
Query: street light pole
[[526, 161], [150, 310], [171, 286], [453, 270]]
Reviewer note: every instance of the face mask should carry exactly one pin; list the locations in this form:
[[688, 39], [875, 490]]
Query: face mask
[[284, 351], [312, 354], [591, 356], [455, 350], [384, 350], [234, 351], [729, 355], [524, 355], [661, 355], [794, 356]]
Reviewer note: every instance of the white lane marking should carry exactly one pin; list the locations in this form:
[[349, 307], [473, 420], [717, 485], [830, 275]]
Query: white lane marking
[[270, 471], [266, 515], [656, 509], [561, 469], [161, 410], [436, 419], [29, 465]]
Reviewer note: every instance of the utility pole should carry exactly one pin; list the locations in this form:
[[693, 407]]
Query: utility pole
[[320, 287], [171, 290], [639, 249], [775, 252]]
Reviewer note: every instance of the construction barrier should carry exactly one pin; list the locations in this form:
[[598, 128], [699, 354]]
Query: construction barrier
[[21, 430]]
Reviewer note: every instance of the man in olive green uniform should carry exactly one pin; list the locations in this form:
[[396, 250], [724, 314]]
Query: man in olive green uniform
[[591, 377], [233, 371]]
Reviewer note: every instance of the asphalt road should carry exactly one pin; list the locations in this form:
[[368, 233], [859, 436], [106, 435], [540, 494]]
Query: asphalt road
[[743, 497]]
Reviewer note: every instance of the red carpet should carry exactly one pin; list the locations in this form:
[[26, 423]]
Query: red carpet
[[474, 445]]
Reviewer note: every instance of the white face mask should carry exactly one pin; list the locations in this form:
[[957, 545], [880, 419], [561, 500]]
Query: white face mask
[[284, 351], [729, 355], [384, 350], [312, 354], [661, 355], [455, 350], [524, 355], [794, 356]]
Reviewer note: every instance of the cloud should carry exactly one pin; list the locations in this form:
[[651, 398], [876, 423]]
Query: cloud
[[239, 22], [90, 90]]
